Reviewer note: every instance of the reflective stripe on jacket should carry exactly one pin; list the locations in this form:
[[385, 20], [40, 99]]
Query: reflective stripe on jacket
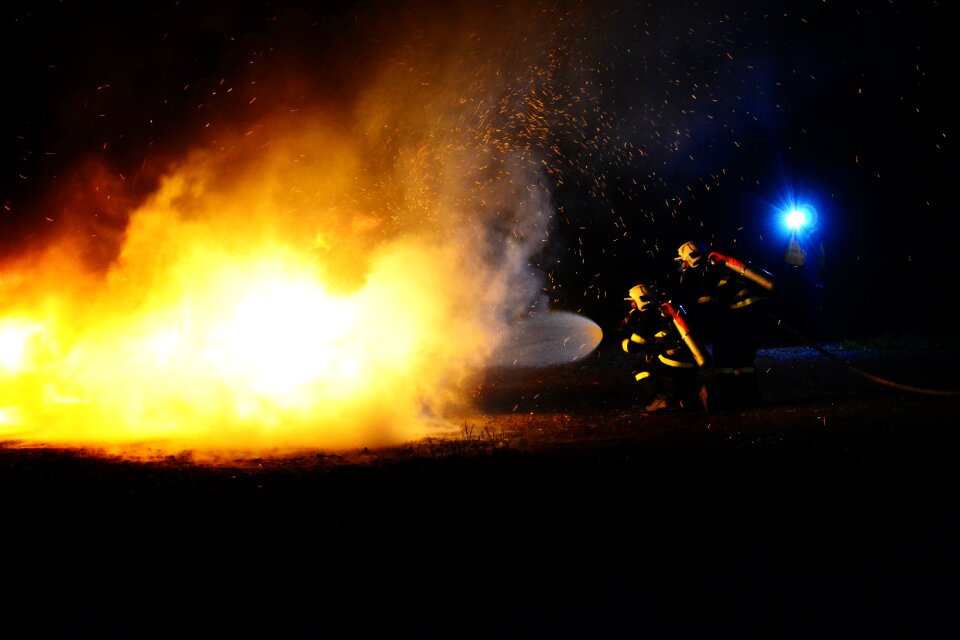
[[679, 364]]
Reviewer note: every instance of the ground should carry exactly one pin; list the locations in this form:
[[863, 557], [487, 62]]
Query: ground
[[559, 509]]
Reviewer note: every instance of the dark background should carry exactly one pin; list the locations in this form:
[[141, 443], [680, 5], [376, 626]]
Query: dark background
[[672, 121], [828, 512], [565, 512]]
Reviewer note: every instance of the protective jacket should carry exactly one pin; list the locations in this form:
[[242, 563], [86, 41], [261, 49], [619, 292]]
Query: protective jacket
[[666, 364], [730, 310]]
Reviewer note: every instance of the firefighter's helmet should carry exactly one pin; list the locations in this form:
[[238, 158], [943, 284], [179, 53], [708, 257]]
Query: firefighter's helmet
[[689, 254], [644, 295]]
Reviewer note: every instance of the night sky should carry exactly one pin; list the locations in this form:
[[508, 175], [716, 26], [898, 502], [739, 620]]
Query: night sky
[[653, 122]]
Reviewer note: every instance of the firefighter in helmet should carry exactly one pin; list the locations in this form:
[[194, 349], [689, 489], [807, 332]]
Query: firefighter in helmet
[[667, 371], [728, 303]]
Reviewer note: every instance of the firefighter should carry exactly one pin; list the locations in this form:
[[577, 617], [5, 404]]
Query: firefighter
[[668, 371], [728, 304]]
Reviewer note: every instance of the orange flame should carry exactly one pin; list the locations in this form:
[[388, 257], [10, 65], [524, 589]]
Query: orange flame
[[225, 326], [314, 280]]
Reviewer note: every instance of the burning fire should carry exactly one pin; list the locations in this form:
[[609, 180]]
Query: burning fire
[[253, 308], [317, 272]]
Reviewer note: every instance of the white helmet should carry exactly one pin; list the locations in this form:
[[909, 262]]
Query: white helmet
[[644, 295], [689, 254]]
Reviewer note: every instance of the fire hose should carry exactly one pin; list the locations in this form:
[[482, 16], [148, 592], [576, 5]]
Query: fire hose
[[869, 376], [758, 276], [765, 280], [667, 310]]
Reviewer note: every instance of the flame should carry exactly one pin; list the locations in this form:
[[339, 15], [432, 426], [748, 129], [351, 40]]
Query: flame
[[226, 325], [308, 274]]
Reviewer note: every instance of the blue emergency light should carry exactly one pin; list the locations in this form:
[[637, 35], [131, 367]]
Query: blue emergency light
[[800, 220], [798, 217]]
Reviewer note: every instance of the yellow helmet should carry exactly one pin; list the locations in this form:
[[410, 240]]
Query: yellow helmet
[[644, 295], [689, 254]]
